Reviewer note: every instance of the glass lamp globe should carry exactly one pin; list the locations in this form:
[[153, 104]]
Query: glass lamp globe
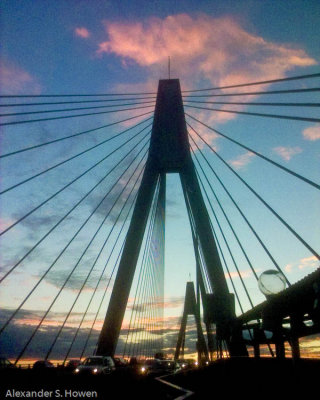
[[271, 282]]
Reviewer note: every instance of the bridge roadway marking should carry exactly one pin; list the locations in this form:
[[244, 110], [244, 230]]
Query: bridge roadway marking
[[187, 392]]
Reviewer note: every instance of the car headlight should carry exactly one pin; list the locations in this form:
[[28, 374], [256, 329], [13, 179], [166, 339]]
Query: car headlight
[[95, 370], [143, 369], [77, 370]]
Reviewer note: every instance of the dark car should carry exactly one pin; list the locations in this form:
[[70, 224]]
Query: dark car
[[171, 366], [188, 364], [120, 362], [96, 365], [155, 366], [72, 365], [41, 365]]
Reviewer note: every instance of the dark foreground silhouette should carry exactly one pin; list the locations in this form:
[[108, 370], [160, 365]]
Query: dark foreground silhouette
[[232, 378]]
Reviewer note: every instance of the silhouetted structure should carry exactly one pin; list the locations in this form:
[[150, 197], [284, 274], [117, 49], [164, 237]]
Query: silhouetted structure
[[170, 152]]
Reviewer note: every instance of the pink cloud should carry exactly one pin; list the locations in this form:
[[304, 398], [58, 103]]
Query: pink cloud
[[204, 51], [219, 49], [82, 32], [312, 133], [308, 262], [244, 274], [242, 160], [15, 80], [288, 268], [287, 152]]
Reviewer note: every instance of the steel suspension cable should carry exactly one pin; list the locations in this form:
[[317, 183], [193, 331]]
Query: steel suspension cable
[[77, 134], [143, 284], [307, 90], [73, 95], [203, 270], [103, 297], [246, 220], [228, 272], [101, 276], [57, 295], [101, 302], [103, 246], [225, 263], [216, 240], [71, 116], [156, 256], [257, 114], [74, 102], [223, 257], [290, 78], [193, 227], [263, 201], [144, 322], [137, 293], [49, 269], [67, 160], [73, 109], [226, 217], [160, 272], [138, 287], [71, 210], [306, 180], [149, 301], [225, 241], [154, 291], [144, 340], [66, 186], [257, 103]]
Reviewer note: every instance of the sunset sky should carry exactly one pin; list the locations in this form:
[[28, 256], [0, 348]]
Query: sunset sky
[[100, 46]]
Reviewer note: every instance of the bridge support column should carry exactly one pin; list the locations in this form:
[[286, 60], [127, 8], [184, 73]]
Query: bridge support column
[[190, 308], [112, 324], [169, 152]]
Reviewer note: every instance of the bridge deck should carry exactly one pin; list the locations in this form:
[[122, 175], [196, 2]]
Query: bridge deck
[[239, 376]]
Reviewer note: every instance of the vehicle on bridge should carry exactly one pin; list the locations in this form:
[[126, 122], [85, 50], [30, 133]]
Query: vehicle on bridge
[[120, 362], [188, 363], [155, 366], [72, 365], [97, 365], [41, 365]]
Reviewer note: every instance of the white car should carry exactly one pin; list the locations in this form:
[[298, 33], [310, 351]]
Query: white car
[[96, 365]]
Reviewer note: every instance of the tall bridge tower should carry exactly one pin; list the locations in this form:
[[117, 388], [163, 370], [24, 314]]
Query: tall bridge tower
[[170, 153]]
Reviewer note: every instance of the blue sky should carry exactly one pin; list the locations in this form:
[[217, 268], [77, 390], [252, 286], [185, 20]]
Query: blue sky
[[82, 47]]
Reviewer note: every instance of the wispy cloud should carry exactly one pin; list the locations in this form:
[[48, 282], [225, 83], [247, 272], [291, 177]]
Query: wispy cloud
[[15, 80], [304, 263], [287, 152], [242, 161], [308, 262], [312, 133], [82, 32], [244, 274], [204, 51], [216, 47], [16, 334]]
